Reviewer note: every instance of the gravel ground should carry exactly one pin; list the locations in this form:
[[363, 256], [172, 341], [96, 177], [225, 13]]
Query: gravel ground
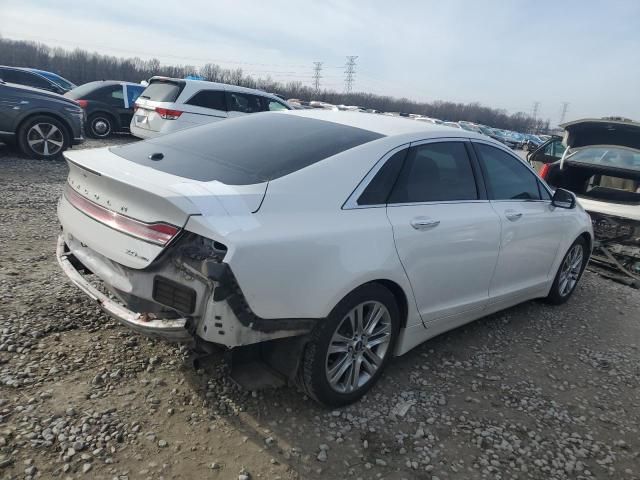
[[535, 392]]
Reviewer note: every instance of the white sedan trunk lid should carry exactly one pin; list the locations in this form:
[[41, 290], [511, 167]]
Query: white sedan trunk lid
[[120, 189]]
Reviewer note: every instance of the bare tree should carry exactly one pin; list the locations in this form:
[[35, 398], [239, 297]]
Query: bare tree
[[81, 66]]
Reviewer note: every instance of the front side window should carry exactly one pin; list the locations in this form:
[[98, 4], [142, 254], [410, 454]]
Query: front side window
[[244, 102], [275, 106], [435, 172], [213, 99], [507, 178]]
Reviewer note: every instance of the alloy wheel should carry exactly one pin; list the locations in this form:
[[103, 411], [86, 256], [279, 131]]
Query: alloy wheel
[[358, 346], [45, 139], [570, 270]]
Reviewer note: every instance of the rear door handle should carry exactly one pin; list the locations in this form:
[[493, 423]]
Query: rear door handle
[[513, 215], [424, 223]]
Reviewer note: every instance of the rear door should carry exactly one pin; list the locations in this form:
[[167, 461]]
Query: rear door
[[531, 229], [446, 233], [205, 106], [114, 97]]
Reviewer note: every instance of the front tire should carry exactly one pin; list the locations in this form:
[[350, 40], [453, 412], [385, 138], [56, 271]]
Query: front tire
[[100, 125], [43, 137], [569, 272], [350, 348]]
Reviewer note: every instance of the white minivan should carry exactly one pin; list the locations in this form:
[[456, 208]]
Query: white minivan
[[171, 104]]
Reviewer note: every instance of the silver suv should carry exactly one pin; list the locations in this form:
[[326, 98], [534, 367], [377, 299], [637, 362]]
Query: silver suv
[[171, 104]]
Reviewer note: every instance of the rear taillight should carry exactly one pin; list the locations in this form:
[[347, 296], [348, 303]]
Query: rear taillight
[[168, 114], [544, 171], [158, 233], [82, 103]]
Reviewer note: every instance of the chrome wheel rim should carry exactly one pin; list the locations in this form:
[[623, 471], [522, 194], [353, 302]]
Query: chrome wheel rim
[[100, 127], [570, 270], [358, 346], [45, 139]]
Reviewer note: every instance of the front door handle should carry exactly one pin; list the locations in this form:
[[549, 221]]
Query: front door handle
[[513, 215], [424, 223]]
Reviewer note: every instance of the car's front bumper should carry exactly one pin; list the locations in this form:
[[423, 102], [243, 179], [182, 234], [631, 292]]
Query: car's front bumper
[[173, 330]]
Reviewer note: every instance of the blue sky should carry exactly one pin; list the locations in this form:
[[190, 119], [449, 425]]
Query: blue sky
[[504, 54]]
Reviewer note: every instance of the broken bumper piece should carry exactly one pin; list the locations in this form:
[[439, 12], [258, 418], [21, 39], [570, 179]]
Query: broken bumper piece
[[173, 330]]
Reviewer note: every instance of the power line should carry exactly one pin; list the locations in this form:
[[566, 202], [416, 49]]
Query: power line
[[563, 113], [317, 68], [350, 73], [534, 110]]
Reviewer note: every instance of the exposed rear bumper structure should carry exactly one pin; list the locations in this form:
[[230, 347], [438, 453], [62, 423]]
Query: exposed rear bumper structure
[[173, 330]]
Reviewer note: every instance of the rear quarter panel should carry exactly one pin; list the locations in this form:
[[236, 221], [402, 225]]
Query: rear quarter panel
[[304, 253]]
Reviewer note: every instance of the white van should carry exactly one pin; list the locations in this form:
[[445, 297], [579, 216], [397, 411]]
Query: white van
[[171, 104]]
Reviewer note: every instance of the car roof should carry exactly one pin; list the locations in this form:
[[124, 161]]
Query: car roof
[[222, 86], [112, 82], [40, 91], [385, 124]]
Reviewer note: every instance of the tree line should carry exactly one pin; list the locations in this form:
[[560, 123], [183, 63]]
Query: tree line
[[81, 66]]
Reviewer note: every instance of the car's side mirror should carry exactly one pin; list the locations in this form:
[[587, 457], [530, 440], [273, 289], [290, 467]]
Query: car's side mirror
[[563, 199]]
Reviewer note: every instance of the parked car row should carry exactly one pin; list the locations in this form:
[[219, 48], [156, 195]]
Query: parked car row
[[46, 114]]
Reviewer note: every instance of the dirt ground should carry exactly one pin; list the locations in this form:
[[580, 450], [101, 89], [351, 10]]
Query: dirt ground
[[535, 392]]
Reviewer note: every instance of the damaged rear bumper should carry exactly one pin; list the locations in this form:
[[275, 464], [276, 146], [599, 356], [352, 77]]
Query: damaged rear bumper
[[174, 330]]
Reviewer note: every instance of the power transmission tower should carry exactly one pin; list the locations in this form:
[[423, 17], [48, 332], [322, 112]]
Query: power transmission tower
[[317, 68], [563, 113], [350, 73], [534, 111]]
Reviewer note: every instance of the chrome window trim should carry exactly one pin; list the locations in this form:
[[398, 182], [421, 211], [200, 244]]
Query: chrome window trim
[[506, 149], [352, 201], [438, 202]]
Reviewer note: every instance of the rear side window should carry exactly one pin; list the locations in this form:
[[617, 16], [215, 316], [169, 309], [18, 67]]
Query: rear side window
[[110, 94], [506, 177], [213, 99], [244, 102], [25, 78], [162, 91], [247, 150], [435, 172], [378, 190]]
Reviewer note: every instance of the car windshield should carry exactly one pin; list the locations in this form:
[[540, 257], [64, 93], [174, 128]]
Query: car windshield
[[247, 150], [608, 157]]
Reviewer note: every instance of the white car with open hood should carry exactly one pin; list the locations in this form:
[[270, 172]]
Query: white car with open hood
[[599, 160], [330, 240]]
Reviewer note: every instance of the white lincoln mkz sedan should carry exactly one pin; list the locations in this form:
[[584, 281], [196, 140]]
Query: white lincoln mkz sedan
[[320, 243]]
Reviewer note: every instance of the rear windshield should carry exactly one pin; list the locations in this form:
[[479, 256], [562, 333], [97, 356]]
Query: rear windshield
[[83, 90], [608, 157], [162, 91], [246, 150]]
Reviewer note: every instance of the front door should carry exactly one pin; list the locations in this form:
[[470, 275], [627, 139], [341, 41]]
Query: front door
[[445, 231], [531, 228]]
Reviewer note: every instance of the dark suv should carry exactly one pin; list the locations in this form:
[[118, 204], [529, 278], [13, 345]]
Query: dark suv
[[34, 78], [42, 124]]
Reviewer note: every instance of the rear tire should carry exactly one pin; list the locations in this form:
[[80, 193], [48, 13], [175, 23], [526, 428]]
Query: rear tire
[[99, 125], [43, 137], [351, 347], [569, 273]]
